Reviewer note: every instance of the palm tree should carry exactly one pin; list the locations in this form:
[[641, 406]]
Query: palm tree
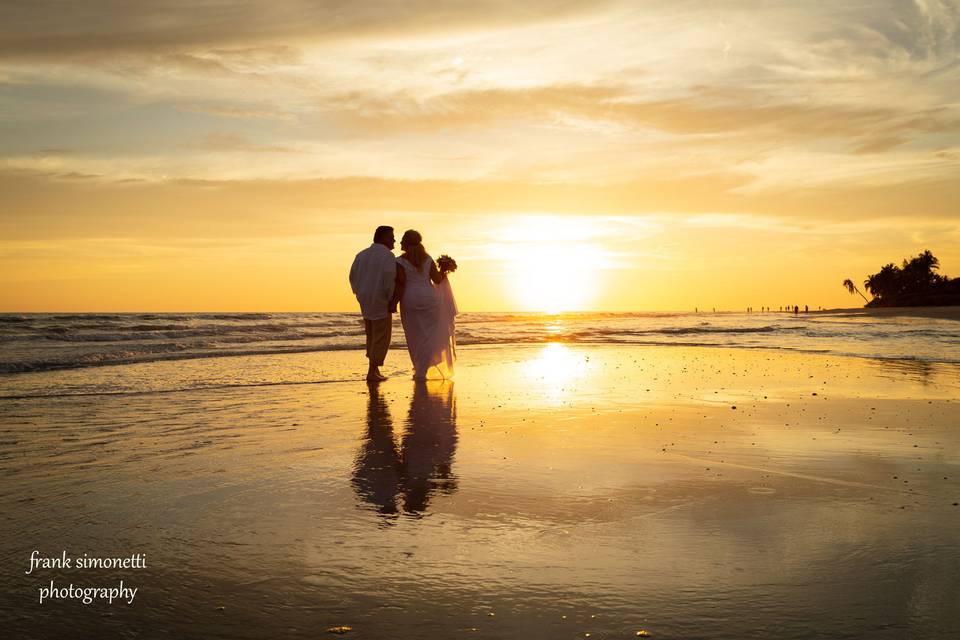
[[918, 273], [852, 288], [886, 283]]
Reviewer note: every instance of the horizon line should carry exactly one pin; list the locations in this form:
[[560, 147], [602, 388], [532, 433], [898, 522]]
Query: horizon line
[[357, 312]]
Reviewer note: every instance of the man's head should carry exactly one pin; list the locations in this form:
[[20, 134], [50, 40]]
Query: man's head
[[384, 235]]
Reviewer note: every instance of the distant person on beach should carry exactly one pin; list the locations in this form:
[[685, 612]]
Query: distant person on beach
[[373, 279], [427, 308]]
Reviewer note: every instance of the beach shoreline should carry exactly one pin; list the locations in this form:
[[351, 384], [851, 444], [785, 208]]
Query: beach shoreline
[[940, 313], [46, 343]]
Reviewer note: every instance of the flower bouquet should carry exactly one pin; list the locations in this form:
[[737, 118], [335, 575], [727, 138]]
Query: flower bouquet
[[446, 264]]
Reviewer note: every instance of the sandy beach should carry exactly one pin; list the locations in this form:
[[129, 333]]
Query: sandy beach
[[550, 491]]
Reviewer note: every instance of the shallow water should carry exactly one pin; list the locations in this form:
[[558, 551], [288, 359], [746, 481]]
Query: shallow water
[[46, 342], [551, 491]]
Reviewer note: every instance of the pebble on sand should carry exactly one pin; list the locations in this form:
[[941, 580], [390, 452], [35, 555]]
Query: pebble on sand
[[342, 629]]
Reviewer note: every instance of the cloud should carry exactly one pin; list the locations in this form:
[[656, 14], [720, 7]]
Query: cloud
[[702, 111], [237, 111], [49, 29], [48, 206], [879, 144], [233, 142], [242, 62], [507, 96], [892, 31]]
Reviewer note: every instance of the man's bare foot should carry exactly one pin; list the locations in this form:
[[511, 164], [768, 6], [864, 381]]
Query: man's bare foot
[[374, 375]]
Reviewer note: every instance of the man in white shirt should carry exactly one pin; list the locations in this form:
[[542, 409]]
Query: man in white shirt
[[373, 280]]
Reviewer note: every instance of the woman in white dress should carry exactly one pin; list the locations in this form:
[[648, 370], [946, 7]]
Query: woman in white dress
[[427, 311]]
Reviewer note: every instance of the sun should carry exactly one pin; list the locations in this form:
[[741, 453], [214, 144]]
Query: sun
[[555, 278], [555, 263]]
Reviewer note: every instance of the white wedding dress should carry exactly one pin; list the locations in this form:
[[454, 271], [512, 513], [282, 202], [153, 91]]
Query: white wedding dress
[[427, 313]]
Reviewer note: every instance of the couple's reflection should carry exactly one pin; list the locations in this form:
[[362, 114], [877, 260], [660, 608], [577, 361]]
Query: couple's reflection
[[395, 479]]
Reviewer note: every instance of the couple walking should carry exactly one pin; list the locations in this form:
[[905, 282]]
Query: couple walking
[[421, 288]]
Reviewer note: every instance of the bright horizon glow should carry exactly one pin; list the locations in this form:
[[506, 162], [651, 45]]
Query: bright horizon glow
[[552, 263], [591, 157], [547, 280]]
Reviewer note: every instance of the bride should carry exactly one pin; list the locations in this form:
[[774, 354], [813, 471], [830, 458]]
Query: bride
[[427, 309]]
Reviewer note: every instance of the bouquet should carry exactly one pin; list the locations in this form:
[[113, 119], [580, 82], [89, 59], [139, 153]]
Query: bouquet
[[446, 264]]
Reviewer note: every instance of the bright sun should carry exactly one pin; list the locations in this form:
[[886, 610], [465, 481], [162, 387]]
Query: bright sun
[[555, 278], [553, 265]]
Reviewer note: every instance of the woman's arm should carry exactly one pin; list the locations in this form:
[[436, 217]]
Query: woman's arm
[[400, 283], [436, 275]]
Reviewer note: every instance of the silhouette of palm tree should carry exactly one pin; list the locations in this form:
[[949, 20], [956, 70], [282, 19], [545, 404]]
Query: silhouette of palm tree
[[852, 288]]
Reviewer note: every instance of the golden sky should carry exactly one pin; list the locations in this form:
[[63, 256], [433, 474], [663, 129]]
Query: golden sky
[[216, 155]]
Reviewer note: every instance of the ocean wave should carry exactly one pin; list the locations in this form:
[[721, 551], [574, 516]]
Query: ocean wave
[[252, 334], [682, 331], [141, 392], [45, 342], [68, 317], [111, 358], [124, 358], [185, 350]]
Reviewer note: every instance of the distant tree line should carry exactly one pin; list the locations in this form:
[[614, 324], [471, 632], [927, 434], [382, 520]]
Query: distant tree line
[[914, 283]]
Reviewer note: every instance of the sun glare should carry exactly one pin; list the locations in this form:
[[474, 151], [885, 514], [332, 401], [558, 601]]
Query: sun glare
[[554, 370], [555, 263]]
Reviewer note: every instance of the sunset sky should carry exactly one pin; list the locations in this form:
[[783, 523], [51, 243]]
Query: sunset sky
[[214, 155]]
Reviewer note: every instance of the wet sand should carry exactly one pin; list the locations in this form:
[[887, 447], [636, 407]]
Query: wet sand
[[939, 313], [549, 492]]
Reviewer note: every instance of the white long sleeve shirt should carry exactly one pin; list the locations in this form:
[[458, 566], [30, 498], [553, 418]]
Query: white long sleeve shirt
[[372, 278]]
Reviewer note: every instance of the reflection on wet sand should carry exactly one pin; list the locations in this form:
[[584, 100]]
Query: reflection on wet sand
[[392, 479], [377, 467], [915, 370]]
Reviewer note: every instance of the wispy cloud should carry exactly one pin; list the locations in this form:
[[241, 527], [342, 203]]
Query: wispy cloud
[[234, 142], [49, 29], [237, 111], [701, 111]]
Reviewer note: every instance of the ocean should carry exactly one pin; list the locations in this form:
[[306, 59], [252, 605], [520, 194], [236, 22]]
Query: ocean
[[45, 343]]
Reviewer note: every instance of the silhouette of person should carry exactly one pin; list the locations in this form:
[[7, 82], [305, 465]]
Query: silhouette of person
[[376, 474], [428, 445], [374, 281], [394, 480]]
